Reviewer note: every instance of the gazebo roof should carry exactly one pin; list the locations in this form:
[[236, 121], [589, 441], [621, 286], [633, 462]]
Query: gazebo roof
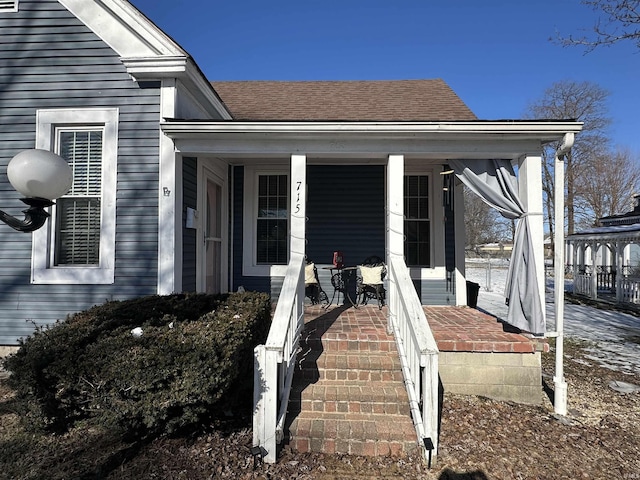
[[608, 234]]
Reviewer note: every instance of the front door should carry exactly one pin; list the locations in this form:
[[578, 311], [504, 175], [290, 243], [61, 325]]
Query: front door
[[213, 266]]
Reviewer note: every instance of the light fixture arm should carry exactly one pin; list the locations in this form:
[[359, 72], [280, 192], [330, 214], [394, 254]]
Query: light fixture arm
[[34, 216]]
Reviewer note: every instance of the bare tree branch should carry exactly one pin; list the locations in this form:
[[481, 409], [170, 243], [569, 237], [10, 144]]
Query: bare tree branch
[[619, 21], [585, 102]]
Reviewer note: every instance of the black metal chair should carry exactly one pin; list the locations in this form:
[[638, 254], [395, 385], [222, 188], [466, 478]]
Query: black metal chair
[[370, 281], [312, 287]]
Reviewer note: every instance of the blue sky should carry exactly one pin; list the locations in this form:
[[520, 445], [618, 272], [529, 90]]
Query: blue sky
[[495, 54]]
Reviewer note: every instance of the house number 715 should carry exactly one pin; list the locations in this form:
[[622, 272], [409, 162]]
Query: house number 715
[[299, 184]]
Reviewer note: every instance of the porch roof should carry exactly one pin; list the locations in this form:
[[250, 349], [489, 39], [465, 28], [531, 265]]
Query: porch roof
[[392, 100], [614, 233], [507, 139]]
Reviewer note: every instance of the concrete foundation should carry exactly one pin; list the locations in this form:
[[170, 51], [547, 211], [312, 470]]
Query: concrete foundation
[[515, 377]]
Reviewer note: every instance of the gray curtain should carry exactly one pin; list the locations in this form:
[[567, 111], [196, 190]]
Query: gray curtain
[[494, 181]]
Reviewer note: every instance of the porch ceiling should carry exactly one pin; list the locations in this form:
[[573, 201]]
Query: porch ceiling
[[435, 140]]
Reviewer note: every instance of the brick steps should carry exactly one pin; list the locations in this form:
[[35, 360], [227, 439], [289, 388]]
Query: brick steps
[[348, 394], [355, 434], [351, 343], [352, 397], [349, 367]]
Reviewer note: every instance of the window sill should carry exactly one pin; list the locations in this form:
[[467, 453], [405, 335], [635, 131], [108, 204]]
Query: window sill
[[73, 276]]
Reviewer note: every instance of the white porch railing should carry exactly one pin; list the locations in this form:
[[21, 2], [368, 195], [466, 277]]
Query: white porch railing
[[418, 355], [630, 290], [274, 363], [583, 284]]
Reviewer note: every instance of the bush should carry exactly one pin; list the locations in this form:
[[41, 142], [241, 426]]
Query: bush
[[193, 360]]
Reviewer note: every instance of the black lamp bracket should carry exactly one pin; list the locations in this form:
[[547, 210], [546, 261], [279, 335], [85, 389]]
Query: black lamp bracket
[[34, 216]]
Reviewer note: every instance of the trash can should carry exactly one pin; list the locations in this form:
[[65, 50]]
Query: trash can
[[472, 293]]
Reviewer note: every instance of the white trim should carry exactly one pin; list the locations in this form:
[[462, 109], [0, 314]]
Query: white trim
[[250, 268], [42, 272], [542, 130], [123, 28]]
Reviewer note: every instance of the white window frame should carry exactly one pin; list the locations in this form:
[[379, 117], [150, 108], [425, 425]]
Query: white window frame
[[429, 173], [250, 267], [43, 270], [9, 5]]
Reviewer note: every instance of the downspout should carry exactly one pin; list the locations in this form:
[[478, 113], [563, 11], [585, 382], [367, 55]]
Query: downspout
[[560, 384]]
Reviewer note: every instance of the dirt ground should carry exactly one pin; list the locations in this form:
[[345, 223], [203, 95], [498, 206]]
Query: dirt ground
[[480, 439]]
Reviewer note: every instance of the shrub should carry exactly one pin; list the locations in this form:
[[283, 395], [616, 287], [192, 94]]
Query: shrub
[[193, 360]]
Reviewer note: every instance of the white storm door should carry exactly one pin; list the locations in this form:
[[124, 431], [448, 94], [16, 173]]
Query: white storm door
[[213, 258]]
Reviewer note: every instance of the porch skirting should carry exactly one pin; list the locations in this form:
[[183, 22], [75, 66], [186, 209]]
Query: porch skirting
[[515, 377]]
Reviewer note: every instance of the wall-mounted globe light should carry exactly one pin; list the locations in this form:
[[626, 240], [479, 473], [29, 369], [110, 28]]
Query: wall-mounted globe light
[[41, 176]]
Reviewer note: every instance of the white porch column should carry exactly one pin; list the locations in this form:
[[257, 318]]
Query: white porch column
[[395, 206], [395, 223], [298, 204], [530, 185]]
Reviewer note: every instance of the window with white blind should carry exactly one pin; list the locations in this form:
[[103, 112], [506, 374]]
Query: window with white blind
[[78, 243], [77, 215], [8, 5]]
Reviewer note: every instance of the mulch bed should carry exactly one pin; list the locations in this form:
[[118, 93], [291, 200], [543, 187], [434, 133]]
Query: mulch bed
[[480, 439]]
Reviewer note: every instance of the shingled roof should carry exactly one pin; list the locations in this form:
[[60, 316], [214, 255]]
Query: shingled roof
[[393, 100]]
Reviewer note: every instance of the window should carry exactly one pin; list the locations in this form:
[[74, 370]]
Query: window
[[78, 243], [272, 223], [266, 222], [417, 225], [77, 215], [8, 5]]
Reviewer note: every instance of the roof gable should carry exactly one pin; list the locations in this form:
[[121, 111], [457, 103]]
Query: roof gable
[[124, 28], [393, 100]]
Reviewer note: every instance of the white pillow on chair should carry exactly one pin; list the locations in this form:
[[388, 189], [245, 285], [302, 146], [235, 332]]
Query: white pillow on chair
[[371, 275], [309, 274]]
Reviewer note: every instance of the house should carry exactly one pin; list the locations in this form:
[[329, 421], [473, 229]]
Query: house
[[605, 260], [184, 185]]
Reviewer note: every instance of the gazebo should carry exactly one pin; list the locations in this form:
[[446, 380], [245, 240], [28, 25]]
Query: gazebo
[[605, 260]]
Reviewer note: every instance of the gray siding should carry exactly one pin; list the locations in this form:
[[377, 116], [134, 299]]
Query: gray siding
[[346, 212], [435, 292], [190, 199], [51, 60]]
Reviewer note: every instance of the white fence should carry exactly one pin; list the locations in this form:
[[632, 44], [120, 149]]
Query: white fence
[[274, 363], [583, 285], [418, 355], [630, 290]]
